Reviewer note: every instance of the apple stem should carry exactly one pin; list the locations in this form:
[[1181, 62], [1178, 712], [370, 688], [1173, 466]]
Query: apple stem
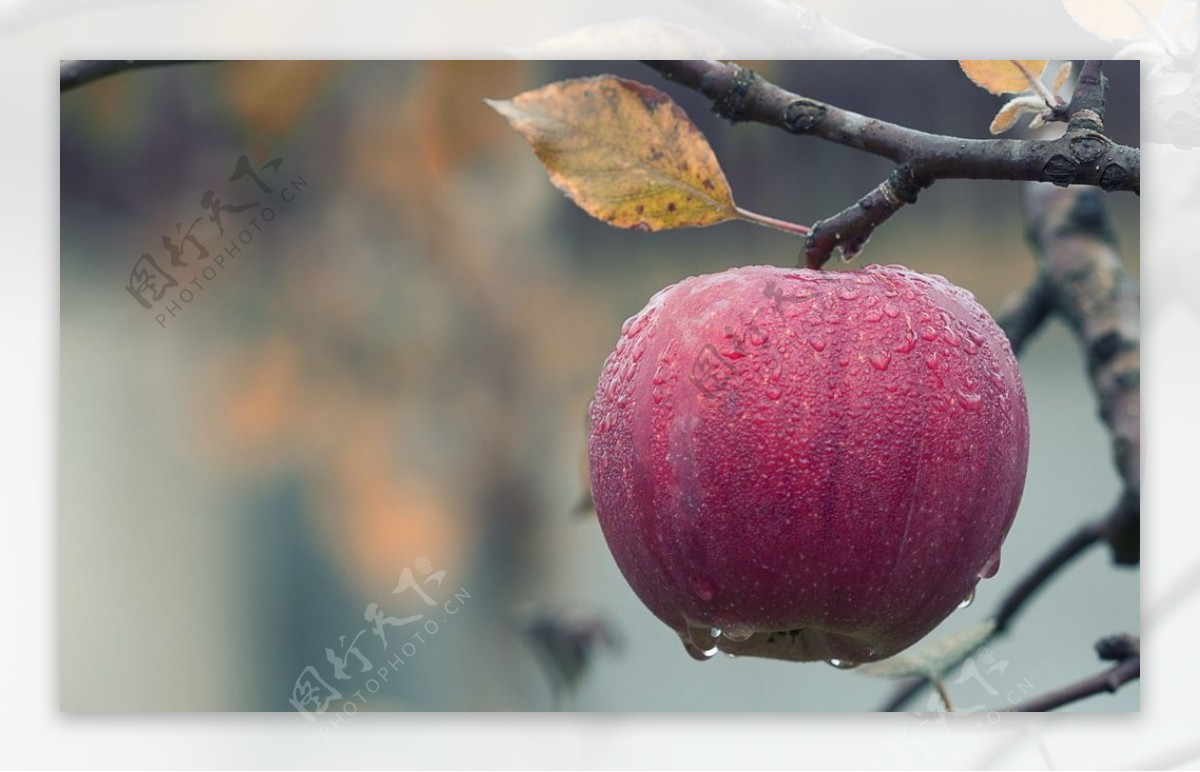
[[943, 692], [771, 222]]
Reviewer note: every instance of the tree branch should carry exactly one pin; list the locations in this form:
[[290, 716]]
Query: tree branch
[[74, 73], [1083, 155], [1091, 290], [1081, 278], [1026, 314], [1125, 650]]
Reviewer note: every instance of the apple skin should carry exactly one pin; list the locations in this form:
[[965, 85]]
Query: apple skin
[[821, 465]]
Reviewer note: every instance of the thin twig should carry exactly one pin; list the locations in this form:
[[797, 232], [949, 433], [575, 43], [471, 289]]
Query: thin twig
[[1081, 156], [1062, 555], [1125, 650], [1109, 680]]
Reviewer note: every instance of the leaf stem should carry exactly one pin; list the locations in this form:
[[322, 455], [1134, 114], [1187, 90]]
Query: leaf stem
[[943, 692], [1036, 84], [771, 222]]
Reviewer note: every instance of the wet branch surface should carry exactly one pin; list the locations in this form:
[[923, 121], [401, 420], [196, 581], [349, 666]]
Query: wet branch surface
[[1082, 156]]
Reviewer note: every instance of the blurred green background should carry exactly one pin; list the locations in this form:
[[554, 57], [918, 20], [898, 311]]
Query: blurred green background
[[393, 373]]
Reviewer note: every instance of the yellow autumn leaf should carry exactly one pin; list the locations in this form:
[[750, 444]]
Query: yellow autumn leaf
[[624, 152], [1002, 76], [1006, 118], [1061, 78], [1115, 19]]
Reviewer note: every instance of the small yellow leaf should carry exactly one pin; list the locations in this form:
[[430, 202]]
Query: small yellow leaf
[[623, 151], [1012, 110], [1060, 79], [1115, 19], [1002, 76], [1006, 118]]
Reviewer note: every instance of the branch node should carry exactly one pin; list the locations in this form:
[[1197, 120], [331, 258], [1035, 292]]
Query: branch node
[[1089, 146], [1113, 177], [802, 115], [903, 186], [1115, 648], [1060, 170], [1087, 119], [732, 102]]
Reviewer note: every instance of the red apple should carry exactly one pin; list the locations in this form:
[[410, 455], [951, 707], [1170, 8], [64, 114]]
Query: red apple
[[808, 465]]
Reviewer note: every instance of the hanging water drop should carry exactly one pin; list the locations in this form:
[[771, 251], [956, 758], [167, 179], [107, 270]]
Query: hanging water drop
[[967, 601], [970, 400], [698, 654], [842, 664], [701, 642], [991, 567]]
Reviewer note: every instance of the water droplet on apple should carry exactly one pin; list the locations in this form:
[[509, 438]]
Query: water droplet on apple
[[991, 567], [908, 344], [774, 392], [738, 633], [880, 360], [967, 601], [842, 664], [817, 342], [704, 588]]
